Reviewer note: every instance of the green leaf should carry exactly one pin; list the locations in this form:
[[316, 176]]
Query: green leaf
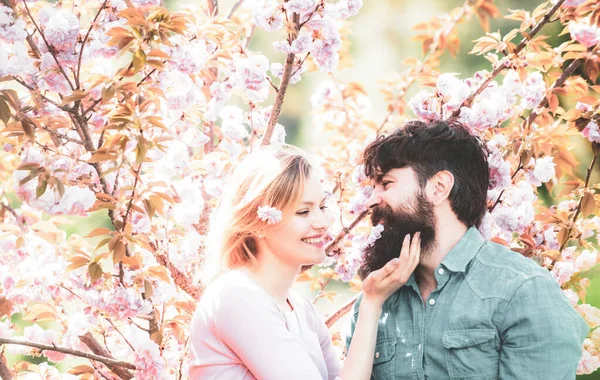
[[4, 112], [41, 188], [95, 271], [139, 60]]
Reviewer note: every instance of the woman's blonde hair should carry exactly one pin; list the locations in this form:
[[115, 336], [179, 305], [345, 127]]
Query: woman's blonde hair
[[270, 176]]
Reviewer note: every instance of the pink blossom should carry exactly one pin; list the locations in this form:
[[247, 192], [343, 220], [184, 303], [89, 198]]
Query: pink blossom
[[11, 29], [326, 42], [588, 363], [233, 123], [500, 176], [584, 33], [269, 214], [347, 266], [278, 136], [533, 91], [357, 203], [191, 57], [493, 106], [586, 260], [277, 71], [123, 303], [303, 7], [453, 91], [358, 174], [268, 15], [584, 107], [591, 314], [570, 3], [542, 172], [592, 132], [62, 29], [374, 235], [425, 105], [571, 296], [251, 75], [343, 8], [563, 271]]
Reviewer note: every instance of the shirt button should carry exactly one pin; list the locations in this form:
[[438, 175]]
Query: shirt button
[[441, 271], [377, 355], [432, 302]]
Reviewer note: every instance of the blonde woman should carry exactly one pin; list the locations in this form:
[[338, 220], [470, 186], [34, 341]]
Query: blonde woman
[[249, 324]]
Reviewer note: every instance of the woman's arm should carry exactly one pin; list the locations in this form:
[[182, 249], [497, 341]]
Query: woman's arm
[[377, 287]]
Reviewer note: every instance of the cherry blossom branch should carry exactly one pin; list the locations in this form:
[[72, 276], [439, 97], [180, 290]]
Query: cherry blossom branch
[[180, 279], [338, 314], [559, 82], [285, 80], [4, 371], [50, 47], [321, 293], [345, 231], [77, 83], [501, 65], [89, 340], [65, 350], [577, 211]]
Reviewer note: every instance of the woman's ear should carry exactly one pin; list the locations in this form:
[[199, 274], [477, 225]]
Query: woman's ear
[[441, 184]]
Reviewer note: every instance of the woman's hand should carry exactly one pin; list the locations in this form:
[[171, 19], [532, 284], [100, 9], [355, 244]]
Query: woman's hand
[[382, 283]]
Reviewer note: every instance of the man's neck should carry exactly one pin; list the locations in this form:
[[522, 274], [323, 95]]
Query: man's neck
[[448, 234]]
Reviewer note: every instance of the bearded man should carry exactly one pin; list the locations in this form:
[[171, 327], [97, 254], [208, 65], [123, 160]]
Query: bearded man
[[473, 309]]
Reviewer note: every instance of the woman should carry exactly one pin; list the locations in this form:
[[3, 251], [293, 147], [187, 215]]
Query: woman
[[248, 324]]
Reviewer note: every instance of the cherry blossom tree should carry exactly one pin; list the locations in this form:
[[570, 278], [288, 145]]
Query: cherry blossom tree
[[130, 110]]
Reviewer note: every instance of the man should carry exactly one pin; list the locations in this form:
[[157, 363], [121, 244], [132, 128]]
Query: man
[[472, 309]]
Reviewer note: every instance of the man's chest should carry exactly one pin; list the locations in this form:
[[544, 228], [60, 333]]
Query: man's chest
[[451, 334]]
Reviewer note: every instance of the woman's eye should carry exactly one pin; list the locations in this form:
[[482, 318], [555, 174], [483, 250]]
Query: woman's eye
[[323, 207], [302, 212]]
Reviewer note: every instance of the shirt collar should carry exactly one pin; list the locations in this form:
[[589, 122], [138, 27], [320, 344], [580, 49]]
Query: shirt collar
[[463, 252]]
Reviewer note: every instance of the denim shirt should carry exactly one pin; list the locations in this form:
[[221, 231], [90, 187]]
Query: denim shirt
[[494, 315]]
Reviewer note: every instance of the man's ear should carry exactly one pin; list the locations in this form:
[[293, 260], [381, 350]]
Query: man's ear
[[441, 185]]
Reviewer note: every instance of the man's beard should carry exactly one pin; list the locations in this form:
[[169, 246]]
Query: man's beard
[[408, 219]]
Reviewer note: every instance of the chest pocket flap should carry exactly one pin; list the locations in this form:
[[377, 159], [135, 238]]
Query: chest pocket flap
[[467, 338], [384, 350]]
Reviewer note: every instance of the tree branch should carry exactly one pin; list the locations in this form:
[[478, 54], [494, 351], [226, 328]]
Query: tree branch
[[501, 65], [340, 312], [77, 82], [4, 371], [285, 80], [345, 231], [65, 350], [89, 340], [50, 47]]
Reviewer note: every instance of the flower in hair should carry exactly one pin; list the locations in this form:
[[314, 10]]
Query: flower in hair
[[269, 214]]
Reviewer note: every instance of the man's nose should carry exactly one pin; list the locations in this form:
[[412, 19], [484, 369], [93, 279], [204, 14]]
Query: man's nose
[[373, 200]]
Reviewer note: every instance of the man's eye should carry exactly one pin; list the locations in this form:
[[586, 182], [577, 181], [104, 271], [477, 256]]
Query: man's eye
[[385, 184]]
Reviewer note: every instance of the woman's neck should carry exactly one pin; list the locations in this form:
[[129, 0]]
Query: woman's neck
[[274, 277]]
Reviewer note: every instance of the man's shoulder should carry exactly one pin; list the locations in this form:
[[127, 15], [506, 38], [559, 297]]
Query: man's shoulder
[[497, 271]]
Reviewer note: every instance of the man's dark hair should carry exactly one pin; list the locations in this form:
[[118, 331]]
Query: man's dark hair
[[430, 147]]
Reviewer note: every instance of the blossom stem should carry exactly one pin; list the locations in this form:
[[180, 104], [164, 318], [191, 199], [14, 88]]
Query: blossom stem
[[4, 371], [65, 350]]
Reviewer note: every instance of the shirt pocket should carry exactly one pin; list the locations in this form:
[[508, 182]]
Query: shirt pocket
[[471, 353], [383, 363]]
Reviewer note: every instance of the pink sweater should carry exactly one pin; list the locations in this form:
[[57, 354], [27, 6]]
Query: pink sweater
[[239, 332]]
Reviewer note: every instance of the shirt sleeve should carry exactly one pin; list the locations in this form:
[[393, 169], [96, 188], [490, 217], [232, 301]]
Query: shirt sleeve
[[255, 330], [542, 334]]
